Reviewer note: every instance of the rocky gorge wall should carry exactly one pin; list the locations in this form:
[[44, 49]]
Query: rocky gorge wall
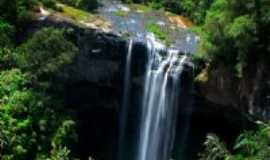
[[248, 95]]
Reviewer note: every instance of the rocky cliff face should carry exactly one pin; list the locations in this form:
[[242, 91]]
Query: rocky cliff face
[[98, 65], [96, 71], [91, 85], [95, 78], [249, 95]]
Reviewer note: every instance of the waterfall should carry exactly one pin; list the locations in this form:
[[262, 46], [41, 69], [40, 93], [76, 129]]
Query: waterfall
[[126, 92], [127, 74], [159, 104], [159, 101]]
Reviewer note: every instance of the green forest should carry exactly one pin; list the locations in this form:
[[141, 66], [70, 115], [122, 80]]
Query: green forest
[[36, 125]]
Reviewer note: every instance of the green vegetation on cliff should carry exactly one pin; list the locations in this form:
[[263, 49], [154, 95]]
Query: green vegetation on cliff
[[34, 123], [235, 33], [6, 34], [82, 4], [46, 51], [156, 30], [30, 120], [248, 146]]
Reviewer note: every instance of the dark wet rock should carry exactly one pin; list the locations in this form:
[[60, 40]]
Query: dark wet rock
[[99, 59], [247, 96]]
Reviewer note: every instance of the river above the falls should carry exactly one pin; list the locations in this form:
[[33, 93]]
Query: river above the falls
[[137, 21]]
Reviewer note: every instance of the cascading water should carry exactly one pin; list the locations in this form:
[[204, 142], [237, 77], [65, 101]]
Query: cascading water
[[159, 106], [126, 91], [127, 76]]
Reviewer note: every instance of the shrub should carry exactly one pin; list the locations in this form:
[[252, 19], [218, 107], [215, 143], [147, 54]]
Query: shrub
[[59, 154], [8, 11], [46, 52], [157, 4], [233, 33], [71, 2], [24, 10], [194, 9], [121, 13], [16, 125], [64, 135], [7, 33], [83, 4], [49, 3], [30, 121], [254, 145], [88, 4], [157, 31], [215, 149]]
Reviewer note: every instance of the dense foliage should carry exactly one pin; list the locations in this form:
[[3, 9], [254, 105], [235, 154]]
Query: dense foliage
[[235, 33], [46, 51], [6, 34], [83, 4], [248, 146], [8, 10], [194, 9], [33, 122], [157, 31]]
